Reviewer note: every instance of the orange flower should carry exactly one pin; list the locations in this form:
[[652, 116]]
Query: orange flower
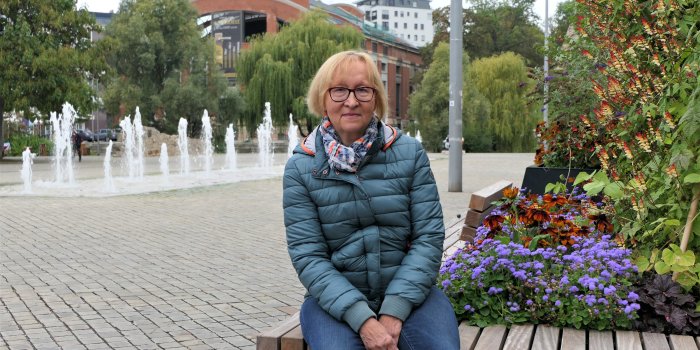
[[493, 222], [601, 222], [647, 27], [587, 53], [643, 142], [669, 120], [628, 152], [511, 192], [671, 170]]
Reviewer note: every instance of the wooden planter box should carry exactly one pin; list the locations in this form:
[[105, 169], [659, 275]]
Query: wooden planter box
[[537, 177]]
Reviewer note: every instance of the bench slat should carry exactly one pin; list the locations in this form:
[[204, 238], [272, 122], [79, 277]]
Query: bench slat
[[655, 341], [491, 338], [573, 339], [546, 338], [600, 340], [682, 342], [481, 199], [628, 340], [468, 234], [474, 218], [519, 337], [293, 340], [468, 336], [270, 339]]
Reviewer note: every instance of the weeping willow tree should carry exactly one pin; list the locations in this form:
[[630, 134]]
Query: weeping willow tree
[[430, 105], [503, 81], [278, 67]]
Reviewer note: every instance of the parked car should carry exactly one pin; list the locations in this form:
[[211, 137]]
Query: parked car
[[106, 134], [86, 135], [446, 143]]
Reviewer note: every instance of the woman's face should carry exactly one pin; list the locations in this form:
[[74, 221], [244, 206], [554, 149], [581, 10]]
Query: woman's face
[[351, 117]]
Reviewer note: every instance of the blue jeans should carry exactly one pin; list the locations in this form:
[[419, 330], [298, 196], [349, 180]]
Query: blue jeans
[[432, 325]]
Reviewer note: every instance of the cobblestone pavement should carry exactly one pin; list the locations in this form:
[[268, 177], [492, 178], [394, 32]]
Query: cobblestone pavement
[[201, 268]]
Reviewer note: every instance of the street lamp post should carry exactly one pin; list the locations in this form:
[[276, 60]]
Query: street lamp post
[[454, 178]]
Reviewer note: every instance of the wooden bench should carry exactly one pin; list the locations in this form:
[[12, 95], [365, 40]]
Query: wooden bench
[[287, 335]]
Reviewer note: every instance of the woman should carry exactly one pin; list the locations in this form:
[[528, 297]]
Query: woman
[[364, 222]]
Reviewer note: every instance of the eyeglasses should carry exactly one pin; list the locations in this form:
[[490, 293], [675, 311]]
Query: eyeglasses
[[362, 93]]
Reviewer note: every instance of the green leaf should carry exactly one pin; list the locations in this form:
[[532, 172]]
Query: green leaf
[[642, 263], [594, 188], [613, 190], [582, 176], [661, 268], [672, 222], [691, 178]]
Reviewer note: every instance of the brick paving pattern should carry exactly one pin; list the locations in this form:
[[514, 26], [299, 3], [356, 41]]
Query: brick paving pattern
[[201, 268]]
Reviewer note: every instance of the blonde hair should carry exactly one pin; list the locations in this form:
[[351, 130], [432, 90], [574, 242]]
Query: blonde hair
[[338, 62]]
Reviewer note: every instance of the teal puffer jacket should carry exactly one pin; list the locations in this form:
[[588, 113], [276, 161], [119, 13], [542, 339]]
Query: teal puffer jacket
[[366, 243]]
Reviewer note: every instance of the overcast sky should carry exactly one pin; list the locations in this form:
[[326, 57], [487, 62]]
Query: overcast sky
[[113, 5]]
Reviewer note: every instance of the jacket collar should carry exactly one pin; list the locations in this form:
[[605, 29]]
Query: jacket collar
[[313, 143]]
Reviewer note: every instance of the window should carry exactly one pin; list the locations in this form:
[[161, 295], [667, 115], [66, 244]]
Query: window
[[383, 67], [421, 26], [422, 37], [405, 26], [374, 16], [385, 15], [396, 25], [385, 25], [374, 46], [385, 50], [415, 4], [415, 37], [398, 70], [415, 25], [415, 14], [401, 13], [396, 13]]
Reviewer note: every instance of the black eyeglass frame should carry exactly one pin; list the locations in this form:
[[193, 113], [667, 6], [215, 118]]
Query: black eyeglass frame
[[374, 92]]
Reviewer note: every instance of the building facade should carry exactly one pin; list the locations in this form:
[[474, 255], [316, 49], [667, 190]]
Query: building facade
[[411, 20], [232, 22]]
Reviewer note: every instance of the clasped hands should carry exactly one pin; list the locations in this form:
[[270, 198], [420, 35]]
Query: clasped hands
[[382, 334]]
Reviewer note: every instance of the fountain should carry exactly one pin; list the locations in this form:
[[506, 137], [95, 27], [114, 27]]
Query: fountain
[[27, 170], [107, 166], [182, 145], [97, 180], [138, 136], [206, 141], [418, 137], [62, 131], [128, 130], [265, 151], [163, 160], [230, 148], [292, 137]]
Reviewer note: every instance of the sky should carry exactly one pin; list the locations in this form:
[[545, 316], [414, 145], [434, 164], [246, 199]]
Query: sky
[[113, 5]]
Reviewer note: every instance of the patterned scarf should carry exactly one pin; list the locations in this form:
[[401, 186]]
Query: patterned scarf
[[343, 157]]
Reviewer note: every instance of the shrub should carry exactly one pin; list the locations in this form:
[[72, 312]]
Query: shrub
[[665, 307], [20, 142], [543, 259]]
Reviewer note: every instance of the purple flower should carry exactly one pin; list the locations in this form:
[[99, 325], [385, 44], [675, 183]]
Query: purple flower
[[633, 296], [557, 303]]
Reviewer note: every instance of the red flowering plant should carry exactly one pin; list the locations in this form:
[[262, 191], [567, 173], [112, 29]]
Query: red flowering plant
[[648, 105]]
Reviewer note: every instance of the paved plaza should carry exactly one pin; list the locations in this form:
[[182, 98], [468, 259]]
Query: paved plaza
[[196, 268]]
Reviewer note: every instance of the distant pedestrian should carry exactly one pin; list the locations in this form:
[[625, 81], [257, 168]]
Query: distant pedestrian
[[77, 141]]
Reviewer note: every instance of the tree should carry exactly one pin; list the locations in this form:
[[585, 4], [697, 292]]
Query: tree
[[430, 105], [494, 27], [46, 58], [162, 64], [503, 80], [278, 68]]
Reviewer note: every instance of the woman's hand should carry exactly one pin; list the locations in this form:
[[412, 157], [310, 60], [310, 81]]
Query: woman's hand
[[393, 326], [375, 336]]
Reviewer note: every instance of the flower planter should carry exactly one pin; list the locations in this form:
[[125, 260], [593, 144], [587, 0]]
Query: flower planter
[[537, 177]]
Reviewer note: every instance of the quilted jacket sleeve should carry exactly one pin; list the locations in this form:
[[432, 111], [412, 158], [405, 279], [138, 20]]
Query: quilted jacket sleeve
[[413, 280], [310, 255]]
